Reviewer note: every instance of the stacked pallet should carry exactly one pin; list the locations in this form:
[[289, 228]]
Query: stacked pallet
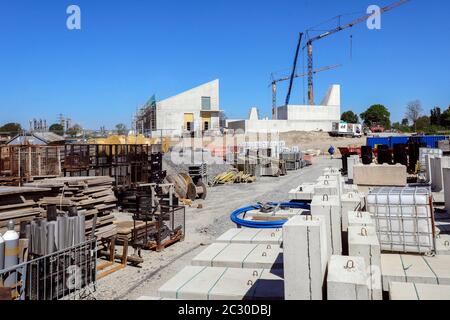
[[91, 196], [18, 204]]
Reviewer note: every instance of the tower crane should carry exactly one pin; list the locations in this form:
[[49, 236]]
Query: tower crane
[[309, 43]]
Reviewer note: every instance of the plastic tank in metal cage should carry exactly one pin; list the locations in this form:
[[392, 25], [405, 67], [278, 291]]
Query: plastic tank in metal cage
[[404, 219]]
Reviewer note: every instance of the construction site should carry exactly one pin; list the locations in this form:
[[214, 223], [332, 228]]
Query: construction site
[[191, 205]]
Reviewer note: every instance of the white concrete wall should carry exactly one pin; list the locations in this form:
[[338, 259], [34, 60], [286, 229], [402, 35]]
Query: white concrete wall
[[170, 112]]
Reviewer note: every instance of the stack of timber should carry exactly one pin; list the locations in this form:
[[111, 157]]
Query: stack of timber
[[19, 204], [233, 176], [91, 196]]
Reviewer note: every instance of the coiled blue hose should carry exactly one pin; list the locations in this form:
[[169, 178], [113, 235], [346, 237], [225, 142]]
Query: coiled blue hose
[[265, 224]]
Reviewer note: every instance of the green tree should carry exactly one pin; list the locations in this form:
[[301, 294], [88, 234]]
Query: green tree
[[413, 111], [349, 117], [435, 116], [11, 128], [74, 131], [423, 124], [377, 114], [57, 128], [445, 118], [121, 129]]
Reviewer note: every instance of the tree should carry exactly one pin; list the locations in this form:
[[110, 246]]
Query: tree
[[57, 128], [423, 124], [413, 111], [435, 116], [377, 114], [121, 129], [74, 131], [405, 122], [445, 118], [11, 128], [349, 117]]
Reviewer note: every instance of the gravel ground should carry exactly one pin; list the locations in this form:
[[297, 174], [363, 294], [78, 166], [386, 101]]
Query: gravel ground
[[202, 227]]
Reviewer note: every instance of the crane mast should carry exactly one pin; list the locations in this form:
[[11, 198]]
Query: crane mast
[[309, 43]]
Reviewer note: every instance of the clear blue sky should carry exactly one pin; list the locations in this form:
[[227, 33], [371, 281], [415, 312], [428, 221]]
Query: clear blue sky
[[128, 50]]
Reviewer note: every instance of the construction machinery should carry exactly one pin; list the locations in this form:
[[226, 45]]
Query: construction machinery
[[311, 40]]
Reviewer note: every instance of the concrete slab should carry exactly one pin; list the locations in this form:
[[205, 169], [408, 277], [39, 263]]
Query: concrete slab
[[437, 165], [210, 283], [238, 255], [414, 268], [380, 175], [305, 257], [350, 201], [255, 236], [351, 162], [329, 207], [327, 187], [304, 192], [418, 291], [347, 279], [363, 242], [360, 218]]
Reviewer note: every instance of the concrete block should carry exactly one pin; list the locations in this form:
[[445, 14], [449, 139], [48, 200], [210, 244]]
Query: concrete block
[[328, 177], [327, 187], [418, 291], [305, 257], [210, 283], [351, 162], [428, 172], [360, 218], [363, 242], [247, 235], [446, 178], [329, 207], [437, 166], [380, 175], [238, 255], [350, 201], [347, 279], [443, 244], [332, 171], [414, 268], [303, 192]]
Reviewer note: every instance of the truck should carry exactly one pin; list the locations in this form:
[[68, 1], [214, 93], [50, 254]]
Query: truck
[[344, 129]]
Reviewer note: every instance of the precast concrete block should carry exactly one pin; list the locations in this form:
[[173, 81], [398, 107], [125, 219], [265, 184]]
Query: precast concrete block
[[363, 242], [238, 255], [350, 201], [251, 236], [327, 187], [330, 208], [438, 164], [443, 244], [446, 178], [380, 175], [360, 219], [347, 278], [218, 283], [418, 291], [305, 257], [304, 192], [351, 162]]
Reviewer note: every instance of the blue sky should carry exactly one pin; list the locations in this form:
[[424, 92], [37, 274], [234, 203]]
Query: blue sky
[[128, 50]]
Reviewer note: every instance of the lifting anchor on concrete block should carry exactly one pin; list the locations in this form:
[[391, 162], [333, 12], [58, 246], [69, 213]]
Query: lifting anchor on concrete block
[[364, 232], [350, 265]]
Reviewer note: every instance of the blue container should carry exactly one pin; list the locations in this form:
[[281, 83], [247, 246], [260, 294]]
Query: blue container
[[432, 141], [398, 140], [373, 141]]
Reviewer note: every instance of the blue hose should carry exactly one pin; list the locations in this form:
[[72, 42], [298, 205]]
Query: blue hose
[[265, 224]]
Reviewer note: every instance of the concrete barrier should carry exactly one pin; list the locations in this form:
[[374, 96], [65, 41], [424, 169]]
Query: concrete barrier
[[305, 257], [347, 279]]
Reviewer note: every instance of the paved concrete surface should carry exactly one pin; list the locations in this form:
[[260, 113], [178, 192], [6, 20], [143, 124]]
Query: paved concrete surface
[[418, 291]]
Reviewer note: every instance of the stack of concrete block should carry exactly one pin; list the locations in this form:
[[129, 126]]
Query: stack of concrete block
[[216, 283], [238, 255], [380, 175], [438, 164], [414, 268], [418, 291], [304, 192], [360, 219], [252, 236], [347, 279], [363, 242], [305, 257], [350, 201], [329, 207]]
